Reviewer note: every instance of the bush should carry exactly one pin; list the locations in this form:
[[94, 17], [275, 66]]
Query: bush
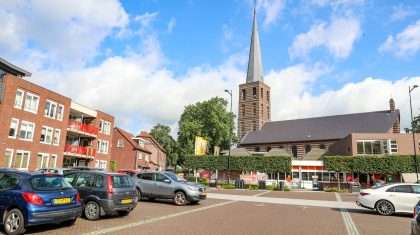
[[332, 190], [204, 180], [251, 186], [190, 178], [272, 187], [229, 186], [112, 166]]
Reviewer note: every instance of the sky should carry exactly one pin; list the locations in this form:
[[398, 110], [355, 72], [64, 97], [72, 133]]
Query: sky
[[144, 61]]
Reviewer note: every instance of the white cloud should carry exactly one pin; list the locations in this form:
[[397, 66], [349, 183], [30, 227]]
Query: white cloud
[[171, 25], [405, 43], [401, 12], [146, 19], [338, 38], [69, 35], [272, 10]]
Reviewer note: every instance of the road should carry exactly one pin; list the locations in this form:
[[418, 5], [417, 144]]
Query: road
[[244, 212]]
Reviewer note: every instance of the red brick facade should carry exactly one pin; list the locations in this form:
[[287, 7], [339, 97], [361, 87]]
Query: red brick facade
[[158, 157]]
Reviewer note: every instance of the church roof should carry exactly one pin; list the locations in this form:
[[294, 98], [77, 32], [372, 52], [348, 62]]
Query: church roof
[[322, 128], [255, 69]]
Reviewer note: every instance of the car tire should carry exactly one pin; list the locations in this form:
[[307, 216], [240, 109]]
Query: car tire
[[138, 194], [92, 210], [14, 222], [384, 207], [123, 213], [180, 199]]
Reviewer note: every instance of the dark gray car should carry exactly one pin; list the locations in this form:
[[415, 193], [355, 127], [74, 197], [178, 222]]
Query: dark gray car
[[103, 193], [168, 185]]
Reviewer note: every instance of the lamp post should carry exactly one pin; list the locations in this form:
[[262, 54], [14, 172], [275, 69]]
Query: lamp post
[[410, 89], [230, 134]]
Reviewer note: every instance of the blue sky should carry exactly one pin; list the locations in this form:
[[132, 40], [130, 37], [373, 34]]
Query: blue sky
[[320, 57]]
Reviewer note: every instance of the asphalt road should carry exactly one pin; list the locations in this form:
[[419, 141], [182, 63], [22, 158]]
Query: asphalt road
[[244, 212]]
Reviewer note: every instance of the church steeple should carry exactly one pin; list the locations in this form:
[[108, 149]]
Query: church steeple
[[255, 69]]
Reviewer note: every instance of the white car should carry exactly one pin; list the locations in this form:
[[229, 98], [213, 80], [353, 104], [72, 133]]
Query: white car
[[390, 199]]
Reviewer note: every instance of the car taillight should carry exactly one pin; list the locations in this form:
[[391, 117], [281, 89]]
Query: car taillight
[[414, 211], [364, 193], [32, 198], [109, 184], [78, 197]]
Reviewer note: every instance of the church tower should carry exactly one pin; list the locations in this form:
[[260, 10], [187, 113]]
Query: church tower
[[254, 95]]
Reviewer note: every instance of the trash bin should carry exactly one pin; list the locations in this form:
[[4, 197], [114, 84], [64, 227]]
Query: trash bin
[[354, 187], [261, 184], [281, 185], [242, 184]]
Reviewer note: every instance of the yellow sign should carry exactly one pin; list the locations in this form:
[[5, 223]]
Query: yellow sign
[[216, 150], [200, 146]]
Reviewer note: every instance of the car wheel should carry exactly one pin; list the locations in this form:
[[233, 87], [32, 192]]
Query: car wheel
[[180, 199], [138, 195], [14, 223], [384, 207], [92, 210], [123, 213]]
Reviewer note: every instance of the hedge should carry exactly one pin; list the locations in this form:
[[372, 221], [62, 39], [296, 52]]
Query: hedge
[[267, 164], [388, 164]]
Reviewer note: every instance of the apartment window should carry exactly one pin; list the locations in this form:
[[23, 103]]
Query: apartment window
[[254, 108], [243, 110], [42, 160], [146, 157], [50, 109], [13, 128], [56, 138], [262, 93], [19, 99], [101, 126], [60, 112], [102, 164], [31, 103], [377, 147], [26, 131], [53, 161], [139, 156], [393, 146], [120, 143], [8, 155], [46, 135], [107, 127], [104, 147], [254, 92], [22, 160], [98, 149], [243, 94]]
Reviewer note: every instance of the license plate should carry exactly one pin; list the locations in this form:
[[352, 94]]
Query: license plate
[[60, 201], [126, 201]]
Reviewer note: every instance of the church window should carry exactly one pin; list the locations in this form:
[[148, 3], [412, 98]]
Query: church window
[[268, 96], [243, 94], [262, 93], [254, 109], [243, 110], [262, 109], [268, 111], [294, 151], [322, 146], [307, 148], [254, 124], [254, 92]]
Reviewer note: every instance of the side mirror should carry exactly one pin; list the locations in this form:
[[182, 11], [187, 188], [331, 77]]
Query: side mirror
[[168, 181]]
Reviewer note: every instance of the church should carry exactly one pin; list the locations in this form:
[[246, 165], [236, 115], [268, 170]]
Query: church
[[367, 133]]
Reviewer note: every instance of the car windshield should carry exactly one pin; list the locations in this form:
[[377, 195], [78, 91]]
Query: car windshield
[[121, 181], [175, 177], [49, 183]]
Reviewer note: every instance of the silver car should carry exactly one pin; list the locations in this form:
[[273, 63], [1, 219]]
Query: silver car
[[167, 185]]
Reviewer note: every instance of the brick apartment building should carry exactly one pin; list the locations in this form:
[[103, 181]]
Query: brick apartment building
[[129, 152], [158, 156], [40, 128]]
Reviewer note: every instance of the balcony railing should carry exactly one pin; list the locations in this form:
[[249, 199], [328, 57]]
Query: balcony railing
[[83, 127], [81, 150]]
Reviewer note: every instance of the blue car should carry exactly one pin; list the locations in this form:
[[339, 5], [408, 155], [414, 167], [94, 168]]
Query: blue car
[[32, 198]]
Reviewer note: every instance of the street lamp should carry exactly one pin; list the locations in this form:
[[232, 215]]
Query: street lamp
[[230, 134], [410, 89]]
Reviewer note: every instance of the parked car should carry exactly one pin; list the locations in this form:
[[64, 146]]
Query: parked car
[[86, 168], [415, 223], [168, 185], [28, 199], [60, 171], [390, 199], [103, 193], [129, 171]]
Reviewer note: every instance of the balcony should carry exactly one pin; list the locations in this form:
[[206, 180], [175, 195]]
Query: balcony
[[79, 151], [82, 128]]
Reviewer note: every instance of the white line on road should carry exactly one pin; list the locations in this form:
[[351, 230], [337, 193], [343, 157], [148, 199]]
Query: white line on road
[[147, 221], [261, 193], [348, 221]]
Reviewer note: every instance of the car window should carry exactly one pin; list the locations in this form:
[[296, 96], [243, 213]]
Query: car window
[[9, 181], [99, 181], [139, 176], [121, 181], [49, 183], [160, 177], [416, 188], [147, 176], [401, 189], [70, 177], [85, 180]]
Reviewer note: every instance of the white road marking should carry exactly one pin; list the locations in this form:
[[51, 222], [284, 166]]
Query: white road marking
[[257, 195], [147, 221], [348, 221]]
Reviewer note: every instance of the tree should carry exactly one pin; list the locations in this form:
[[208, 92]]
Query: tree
[[208, 119], [415, 125], [162, 134]]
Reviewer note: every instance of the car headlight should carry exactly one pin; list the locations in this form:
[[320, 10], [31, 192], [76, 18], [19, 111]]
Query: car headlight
[[192, 188]]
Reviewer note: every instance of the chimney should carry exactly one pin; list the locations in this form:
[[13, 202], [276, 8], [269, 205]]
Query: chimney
[[391, 106]]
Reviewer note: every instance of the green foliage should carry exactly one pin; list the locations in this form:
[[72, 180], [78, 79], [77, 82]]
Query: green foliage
[[162, 134], [251, 186], [208, 119], [204, 180], [267, 164], [388, 164], [112, 166], [229, 186], [415, 125], [286, 188], [272, 187]]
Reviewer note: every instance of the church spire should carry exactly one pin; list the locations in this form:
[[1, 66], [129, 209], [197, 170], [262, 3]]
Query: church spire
[[255, 69]]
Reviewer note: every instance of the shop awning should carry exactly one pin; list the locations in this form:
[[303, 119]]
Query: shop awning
[[409, 177]]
